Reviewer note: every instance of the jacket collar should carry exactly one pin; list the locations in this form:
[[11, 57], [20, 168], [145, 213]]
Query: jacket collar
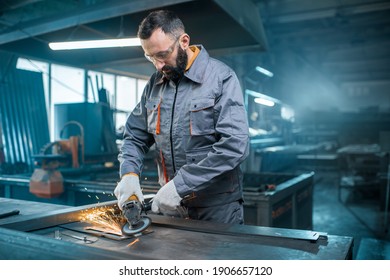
[[197, 70]]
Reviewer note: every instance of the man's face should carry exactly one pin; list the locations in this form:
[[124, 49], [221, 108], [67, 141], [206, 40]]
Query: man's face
[[166, 54], [176, 72]]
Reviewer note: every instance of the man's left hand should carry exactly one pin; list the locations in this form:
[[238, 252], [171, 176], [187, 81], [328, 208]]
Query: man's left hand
[[166, 199]]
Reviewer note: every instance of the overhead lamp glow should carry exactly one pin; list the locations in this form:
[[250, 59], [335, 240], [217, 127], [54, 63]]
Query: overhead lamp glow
[[265, 102], [287, 113], [262, 99], [95, 44], [264, 71]]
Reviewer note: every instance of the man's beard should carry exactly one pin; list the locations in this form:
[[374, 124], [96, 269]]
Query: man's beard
[[175, 73]]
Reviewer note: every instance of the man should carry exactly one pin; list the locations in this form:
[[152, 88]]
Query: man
[[192, 110]]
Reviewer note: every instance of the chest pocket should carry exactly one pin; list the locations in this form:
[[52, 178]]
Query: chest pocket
[[153, 113], [202, 117]]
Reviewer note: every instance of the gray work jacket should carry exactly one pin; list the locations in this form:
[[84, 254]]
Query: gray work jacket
[[200, 130]]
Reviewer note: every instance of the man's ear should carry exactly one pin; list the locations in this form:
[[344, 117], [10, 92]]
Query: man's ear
[[184, 41]]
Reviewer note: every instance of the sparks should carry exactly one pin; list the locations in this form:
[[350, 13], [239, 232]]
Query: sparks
[[132, 243], [105, 218]]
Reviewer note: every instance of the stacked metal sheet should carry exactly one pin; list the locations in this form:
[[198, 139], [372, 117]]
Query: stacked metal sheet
[[23, 118]]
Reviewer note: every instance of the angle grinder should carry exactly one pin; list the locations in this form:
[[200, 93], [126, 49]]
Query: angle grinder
[[132, 210]]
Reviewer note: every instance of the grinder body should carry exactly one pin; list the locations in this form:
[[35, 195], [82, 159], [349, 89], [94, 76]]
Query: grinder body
[[132, 210]]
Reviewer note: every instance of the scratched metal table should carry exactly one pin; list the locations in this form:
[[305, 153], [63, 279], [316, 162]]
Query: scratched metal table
[[33, 237]]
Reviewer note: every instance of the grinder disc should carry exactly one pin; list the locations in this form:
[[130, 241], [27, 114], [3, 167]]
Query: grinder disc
[[144, 223]]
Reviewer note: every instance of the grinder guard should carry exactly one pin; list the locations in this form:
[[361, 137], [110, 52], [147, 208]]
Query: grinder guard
[[136, 223]]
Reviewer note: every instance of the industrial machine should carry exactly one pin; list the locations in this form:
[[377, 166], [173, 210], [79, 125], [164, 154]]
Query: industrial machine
[[86, 148], [46, 180]]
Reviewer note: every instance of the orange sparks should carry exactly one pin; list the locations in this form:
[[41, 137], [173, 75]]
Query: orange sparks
[[133, 242], [104, 217]]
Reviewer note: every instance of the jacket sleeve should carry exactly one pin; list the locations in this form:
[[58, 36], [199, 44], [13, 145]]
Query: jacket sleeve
[[136, 139], [232, 147]]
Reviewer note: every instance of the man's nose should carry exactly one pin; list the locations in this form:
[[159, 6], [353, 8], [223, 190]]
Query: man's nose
[[159, 64]]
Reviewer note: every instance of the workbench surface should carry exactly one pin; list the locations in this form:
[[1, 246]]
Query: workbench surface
[[25, 208], [168, 238]]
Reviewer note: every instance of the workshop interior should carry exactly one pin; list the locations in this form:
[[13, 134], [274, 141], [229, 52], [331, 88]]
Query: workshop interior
[[315, 77]]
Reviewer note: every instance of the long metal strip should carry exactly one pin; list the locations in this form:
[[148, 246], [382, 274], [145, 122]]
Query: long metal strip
[[234, 229], [64, 216]]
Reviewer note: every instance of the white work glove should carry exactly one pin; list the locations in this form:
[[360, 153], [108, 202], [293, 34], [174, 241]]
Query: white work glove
[[166, 200], [128, 186]]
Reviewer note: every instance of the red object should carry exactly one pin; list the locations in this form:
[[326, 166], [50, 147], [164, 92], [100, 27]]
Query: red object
[[46, 183], [271, 187]]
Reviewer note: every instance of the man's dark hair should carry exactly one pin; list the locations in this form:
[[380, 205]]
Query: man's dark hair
[[168, 21]]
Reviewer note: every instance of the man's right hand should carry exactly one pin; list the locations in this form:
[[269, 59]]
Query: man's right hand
[[129, 185]]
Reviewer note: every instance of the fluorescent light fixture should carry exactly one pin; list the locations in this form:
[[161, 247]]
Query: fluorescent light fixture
[[264, 71], [265, 102], [94, 44], [262, 98]]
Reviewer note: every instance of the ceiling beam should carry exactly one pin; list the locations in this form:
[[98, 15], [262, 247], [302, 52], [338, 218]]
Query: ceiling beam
[[14, 4], [291, 11], [106, 10], [247, 14]]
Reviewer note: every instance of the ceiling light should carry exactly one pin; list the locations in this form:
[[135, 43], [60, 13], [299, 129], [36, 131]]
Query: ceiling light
[[94, 44], [264, 101], [262, 98], [264, 71]]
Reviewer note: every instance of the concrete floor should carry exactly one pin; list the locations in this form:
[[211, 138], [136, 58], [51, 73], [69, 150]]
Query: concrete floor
[[353, 215]]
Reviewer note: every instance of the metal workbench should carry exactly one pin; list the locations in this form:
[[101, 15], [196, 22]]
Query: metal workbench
[[31, 235]]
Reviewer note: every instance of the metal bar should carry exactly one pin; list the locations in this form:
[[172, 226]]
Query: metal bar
[[15, 180], [72, 215], [229, 229], [16, 245], [8, 214]]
